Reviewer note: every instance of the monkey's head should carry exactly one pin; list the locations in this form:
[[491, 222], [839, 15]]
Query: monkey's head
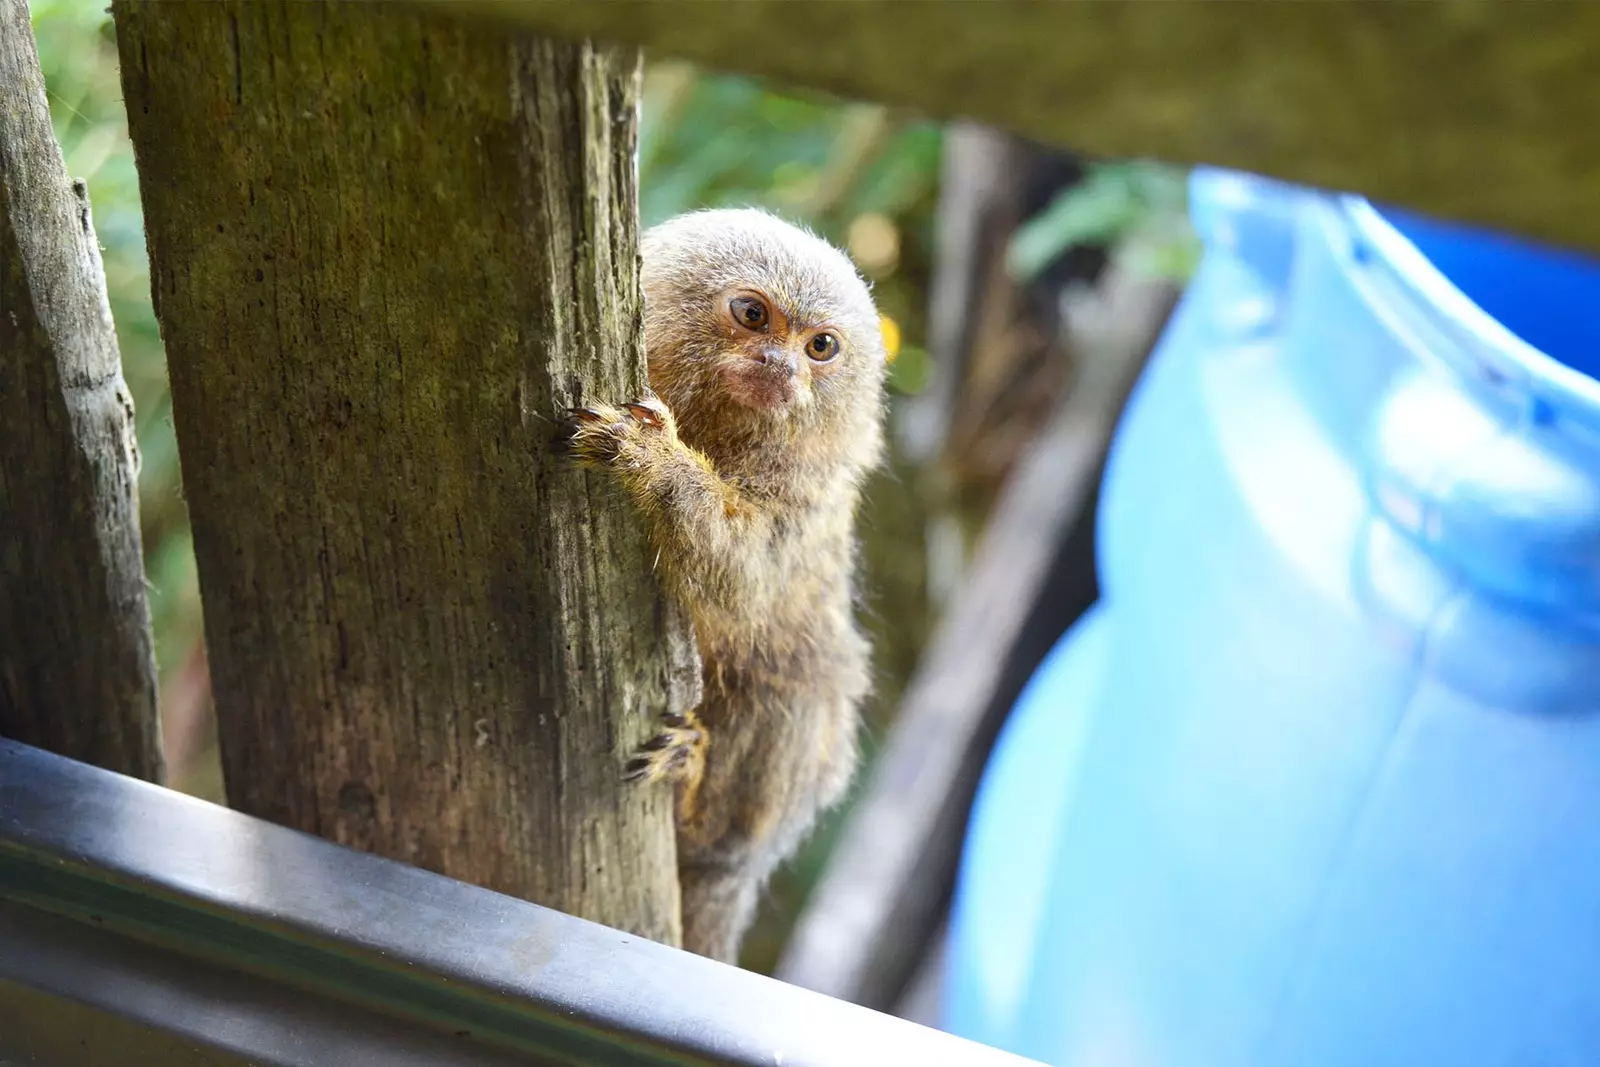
[[757, 329]]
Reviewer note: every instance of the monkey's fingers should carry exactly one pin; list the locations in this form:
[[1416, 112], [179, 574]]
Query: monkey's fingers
[[670, 754], [655, 767], [561, 441], [596, 433], [572, 436]]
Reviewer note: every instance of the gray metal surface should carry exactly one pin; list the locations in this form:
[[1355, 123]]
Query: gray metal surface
[[140, 926]]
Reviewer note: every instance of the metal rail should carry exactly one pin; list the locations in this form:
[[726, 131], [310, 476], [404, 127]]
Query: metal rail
[[140, 926]]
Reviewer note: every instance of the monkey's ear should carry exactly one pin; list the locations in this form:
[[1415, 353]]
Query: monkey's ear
[[891, 337]]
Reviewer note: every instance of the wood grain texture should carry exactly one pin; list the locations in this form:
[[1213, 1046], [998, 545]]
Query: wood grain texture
[[1477, 110], [386, 250], [77, 666]]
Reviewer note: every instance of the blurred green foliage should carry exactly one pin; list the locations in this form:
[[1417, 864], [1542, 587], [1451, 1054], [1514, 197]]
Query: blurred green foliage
[[1139, 209], [715, 140]]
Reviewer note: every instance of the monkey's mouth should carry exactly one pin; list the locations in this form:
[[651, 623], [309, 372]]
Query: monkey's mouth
[[763, 388]]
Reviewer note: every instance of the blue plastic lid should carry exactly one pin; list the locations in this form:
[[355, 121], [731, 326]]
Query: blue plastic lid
[[1530, 311]]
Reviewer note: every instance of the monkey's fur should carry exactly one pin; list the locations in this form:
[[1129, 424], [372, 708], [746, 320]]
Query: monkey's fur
[[747, 463]]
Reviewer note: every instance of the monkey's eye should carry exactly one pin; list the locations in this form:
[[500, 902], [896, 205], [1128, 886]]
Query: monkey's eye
[[749, 312], [823, 347]]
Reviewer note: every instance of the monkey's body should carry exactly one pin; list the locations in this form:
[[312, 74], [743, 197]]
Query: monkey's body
[[747, 465], [781, 718]]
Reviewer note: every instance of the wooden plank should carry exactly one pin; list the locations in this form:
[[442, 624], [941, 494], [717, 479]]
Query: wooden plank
[[872, 917], [386, 250], [1476, 110], [77, 666]]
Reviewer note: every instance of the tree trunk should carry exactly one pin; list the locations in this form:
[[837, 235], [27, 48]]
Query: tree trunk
[[77, 666], [386, 250]]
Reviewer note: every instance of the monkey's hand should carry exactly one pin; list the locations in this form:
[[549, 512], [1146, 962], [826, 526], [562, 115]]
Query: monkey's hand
[[618, 438], [710, 540], [674, 754], [678, 755]]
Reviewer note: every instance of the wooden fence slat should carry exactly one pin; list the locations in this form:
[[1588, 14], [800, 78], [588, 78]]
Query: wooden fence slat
[[77, 665]]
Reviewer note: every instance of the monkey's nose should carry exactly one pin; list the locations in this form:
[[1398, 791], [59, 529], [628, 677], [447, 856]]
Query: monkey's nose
[[776, 358]]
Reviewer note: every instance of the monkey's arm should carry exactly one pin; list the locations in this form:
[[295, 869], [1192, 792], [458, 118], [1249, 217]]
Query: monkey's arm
[[704, 533], [710, 539]]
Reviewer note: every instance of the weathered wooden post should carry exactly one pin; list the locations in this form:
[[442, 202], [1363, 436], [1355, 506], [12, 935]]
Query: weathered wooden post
[[77, 668], [385, 250]]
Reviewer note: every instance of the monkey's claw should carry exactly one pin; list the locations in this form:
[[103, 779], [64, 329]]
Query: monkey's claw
[[650, 411], [608, 436], [595, 433], [674, 753]]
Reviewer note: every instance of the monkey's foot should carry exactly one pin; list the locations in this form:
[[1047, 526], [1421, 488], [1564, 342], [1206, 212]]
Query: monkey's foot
[[609, 436], [676, 753]]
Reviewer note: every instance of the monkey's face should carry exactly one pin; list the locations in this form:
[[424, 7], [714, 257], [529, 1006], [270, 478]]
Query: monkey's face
[[775, 356], [762, 338]]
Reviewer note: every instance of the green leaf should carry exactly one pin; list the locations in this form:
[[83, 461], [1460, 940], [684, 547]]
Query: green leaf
[[1115, 203]]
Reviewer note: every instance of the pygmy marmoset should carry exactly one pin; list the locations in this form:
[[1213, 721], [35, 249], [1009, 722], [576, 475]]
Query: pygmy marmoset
[[766, 364]]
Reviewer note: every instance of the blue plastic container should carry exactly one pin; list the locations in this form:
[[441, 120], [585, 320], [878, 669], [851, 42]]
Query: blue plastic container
[[1317, 784]]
